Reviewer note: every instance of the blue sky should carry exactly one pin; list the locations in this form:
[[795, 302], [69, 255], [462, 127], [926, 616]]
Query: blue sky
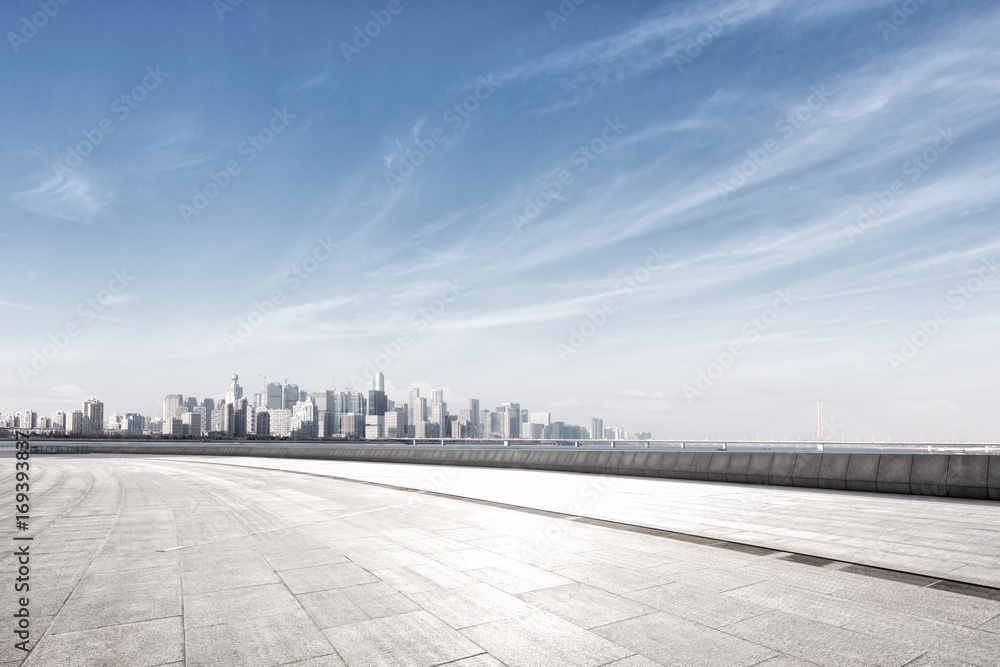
[[580, 153]]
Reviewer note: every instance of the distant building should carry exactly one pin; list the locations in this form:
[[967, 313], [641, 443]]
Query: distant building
[[377, 402], [352, 424], [395, 424], [234, 391], [304, 420], [291, 396], [172, 404], [133, 423], [191, 424], [597, 429], [59, 421], [263, 424], [93, 417], [74, 422], [374, 427], [273, 400], [511, 420], [172, 427]]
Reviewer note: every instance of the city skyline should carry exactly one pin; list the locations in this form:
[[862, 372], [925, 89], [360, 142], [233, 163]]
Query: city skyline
[[629, 210], [191, 417]]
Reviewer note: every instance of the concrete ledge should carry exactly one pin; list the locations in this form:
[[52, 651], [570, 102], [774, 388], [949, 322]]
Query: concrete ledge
[[833, 472], [739, 463], [955, 475], [805, 472], [862, 471], [968, 476], [993, 480], [929, 475], [894, 473], [760, 466]]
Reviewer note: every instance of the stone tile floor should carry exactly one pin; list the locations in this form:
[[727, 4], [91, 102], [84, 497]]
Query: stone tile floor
[[158, 561]]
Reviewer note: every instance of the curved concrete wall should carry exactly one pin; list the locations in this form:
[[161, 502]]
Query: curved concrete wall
[[955, 475]]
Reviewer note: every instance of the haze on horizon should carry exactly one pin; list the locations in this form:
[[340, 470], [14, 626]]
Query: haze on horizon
[[814, 186]]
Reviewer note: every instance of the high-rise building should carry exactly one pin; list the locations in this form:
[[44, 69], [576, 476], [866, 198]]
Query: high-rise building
[[325, 402], [27, 419], [93, 417], [234, 417], [234, 391], [511, 420], [74, 422], [395, 423], [439, 414], [172, 427], [473, 406], [291, 396], [352, 424], [190, 403], [374, 427], [597, 429], [304, 420], [133, 423], [377, 401], [544, 418], [437, 396], [191, 424], [263, 424], [203, 419], [279, 422], [274, 400], [172, 404], [59, 421]]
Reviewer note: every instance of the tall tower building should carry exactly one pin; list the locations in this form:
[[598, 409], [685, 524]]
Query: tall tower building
[[512, 420], [291, 396], [377, 402], [234, 392], [597, 429], [172, 405], [93, 417], [273, 400]]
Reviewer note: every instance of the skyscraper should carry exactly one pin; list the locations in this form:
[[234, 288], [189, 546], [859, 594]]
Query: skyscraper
[[512, 420], [172, 405], [59, 421], [234, 392], [291, 396], [597, 429], [273, 400], [376, 397], [474, 430], [93, 417]]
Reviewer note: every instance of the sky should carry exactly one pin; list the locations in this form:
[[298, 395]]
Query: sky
[[694, 219]]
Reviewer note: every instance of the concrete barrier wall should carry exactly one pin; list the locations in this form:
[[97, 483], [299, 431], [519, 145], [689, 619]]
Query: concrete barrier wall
[[955, 475]]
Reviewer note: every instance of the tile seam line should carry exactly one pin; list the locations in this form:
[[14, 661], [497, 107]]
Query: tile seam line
[[618, 525]]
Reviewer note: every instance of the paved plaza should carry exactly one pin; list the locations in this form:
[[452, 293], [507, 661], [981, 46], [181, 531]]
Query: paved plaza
[[227, 561]]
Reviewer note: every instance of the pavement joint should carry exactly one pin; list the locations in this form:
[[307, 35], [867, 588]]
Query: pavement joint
[[962, 588]]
